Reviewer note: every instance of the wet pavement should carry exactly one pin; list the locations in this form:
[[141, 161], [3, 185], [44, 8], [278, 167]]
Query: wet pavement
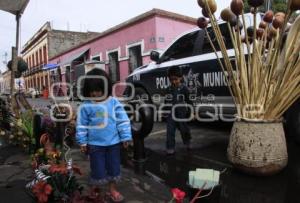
[[209, 146], [209, 151], [15, 173]]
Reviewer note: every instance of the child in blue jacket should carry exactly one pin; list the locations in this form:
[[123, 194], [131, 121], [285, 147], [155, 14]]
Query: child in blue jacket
[[102, 124]]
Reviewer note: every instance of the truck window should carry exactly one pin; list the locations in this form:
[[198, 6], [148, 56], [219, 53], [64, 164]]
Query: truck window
[[182, 48], [226, 37]]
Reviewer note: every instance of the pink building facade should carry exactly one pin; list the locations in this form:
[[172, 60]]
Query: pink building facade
[[128, 45]]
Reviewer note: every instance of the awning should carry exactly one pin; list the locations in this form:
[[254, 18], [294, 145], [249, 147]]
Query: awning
[[50, 66], [13, 6], [74, 58]]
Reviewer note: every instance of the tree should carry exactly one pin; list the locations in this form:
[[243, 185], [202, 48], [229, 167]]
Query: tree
[[21, 67], [276, 6]]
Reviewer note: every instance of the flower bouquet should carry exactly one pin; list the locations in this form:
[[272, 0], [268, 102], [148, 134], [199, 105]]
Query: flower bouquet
[[55, 183], [263, 79]]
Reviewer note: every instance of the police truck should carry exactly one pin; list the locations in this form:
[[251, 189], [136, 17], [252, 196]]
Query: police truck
[[203, 76]]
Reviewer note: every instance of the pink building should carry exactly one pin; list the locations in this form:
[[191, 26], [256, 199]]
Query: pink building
[[126, 46]]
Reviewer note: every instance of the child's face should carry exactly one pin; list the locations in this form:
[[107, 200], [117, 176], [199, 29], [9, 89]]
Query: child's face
[[96, 94], [175, 80]]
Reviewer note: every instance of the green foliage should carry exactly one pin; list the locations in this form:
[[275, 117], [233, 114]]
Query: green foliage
[[18, 132], [21, 67], [27, 125], [277, 6]]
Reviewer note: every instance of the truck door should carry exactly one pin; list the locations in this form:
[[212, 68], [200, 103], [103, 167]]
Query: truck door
[[181, 54], [212, 91]]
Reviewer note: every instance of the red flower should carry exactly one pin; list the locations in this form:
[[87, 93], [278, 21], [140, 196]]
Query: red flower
[[55, 168], [178, 195], [42, 190]]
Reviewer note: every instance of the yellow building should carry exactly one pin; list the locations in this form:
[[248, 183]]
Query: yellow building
[[44, 44]]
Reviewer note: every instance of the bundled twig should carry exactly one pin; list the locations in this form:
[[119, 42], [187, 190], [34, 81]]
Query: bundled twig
[[266, 80]]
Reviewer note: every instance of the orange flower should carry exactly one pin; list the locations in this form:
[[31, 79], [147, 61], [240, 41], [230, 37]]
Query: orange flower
[[58, 168], [42, 190], [54, 154]]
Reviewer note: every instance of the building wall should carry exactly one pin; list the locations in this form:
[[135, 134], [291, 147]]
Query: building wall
[[167, 30], [45, 44], [5, 81], [60, 41], [36, 56], [152, 33]]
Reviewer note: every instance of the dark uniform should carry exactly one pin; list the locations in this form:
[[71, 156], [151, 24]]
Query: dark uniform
[[178, 95]]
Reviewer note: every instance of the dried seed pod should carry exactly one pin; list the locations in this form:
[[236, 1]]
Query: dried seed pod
[[205, 13], [279, 14], [212, 5], [259, 33], [256, 3], [278, 22], [202, 22], [240, 27], [268, 17], [233, 21], [263, 25], [227, 14], [250, 31], [295, 5], [237, 7], [201, 3], [273, 32], [253, 10]]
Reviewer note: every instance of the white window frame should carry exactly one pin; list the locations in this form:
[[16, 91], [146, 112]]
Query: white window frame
[[141, 43], [111, 51], [100, 55], [63, 69]]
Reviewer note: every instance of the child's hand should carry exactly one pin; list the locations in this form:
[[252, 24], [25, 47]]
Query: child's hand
[[83, 148], [125, 144]]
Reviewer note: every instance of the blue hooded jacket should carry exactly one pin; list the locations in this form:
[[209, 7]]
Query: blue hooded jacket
[[102, 123]]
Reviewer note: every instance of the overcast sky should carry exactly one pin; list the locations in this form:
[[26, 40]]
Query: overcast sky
[[83, 15]]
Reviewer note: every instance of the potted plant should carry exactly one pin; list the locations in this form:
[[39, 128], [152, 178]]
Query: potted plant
[[55, 183], [264, 81]]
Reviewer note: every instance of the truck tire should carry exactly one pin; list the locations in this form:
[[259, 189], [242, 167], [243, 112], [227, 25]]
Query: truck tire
[[142, 95], [292, 126], [142, 127]]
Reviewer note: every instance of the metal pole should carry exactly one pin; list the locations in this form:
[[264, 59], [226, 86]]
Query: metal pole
[[13, 68], [15, 65], [18, 17]]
